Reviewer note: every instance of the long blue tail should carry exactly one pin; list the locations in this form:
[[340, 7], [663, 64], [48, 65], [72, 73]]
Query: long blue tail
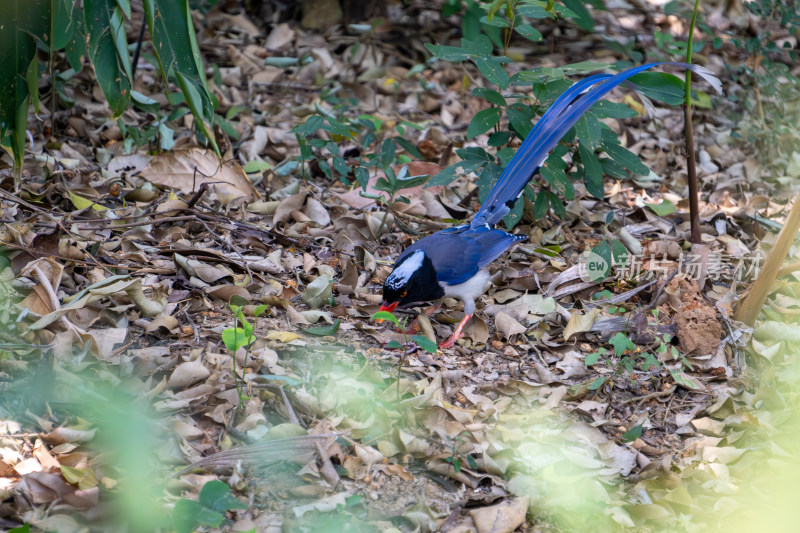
[[554, 124]]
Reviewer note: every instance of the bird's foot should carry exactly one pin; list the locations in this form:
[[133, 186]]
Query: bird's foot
[[451, 341], [457, 334]]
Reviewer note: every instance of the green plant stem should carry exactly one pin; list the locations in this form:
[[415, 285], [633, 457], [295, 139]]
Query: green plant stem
[[694, 190], [402, 355]]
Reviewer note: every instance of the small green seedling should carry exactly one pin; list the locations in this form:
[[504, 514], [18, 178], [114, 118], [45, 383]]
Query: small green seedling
[[214, 500], [240, 336], [419, 340]]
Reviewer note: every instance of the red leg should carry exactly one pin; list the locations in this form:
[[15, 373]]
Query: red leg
[[456, 334]]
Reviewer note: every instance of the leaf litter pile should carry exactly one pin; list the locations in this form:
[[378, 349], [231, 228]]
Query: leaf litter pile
[[628, 402]]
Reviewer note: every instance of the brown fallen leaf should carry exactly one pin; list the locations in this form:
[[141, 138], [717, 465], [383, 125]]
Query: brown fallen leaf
[[504, 517], [187, 170]]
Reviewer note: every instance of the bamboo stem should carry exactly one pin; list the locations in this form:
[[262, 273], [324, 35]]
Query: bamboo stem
[[751, 305]]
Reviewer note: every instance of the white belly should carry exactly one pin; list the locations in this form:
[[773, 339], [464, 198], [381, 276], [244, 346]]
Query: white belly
[[468, 291]]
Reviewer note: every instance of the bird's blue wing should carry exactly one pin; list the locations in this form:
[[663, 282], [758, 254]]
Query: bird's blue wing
[[458, 255], [494, 243]]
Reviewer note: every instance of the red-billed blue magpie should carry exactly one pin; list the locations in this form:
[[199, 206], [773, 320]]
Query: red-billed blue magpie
[[453, 262]]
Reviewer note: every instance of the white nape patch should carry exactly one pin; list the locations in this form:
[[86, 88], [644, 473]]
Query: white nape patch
[[403, 273], [468, 291]]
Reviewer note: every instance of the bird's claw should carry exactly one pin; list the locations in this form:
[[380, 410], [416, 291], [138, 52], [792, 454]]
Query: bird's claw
[[451, 341]]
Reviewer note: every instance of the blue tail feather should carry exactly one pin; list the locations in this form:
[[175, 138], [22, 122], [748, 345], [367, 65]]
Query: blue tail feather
[[554, 124]]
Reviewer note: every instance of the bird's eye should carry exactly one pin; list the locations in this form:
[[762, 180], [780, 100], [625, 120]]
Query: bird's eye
[[404, 294]]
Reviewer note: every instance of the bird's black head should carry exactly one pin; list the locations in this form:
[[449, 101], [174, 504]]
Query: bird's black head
[[413, 281]]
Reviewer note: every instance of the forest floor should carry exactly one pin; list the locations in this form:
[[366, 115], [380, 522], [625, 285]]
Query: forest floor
[[631, 402]]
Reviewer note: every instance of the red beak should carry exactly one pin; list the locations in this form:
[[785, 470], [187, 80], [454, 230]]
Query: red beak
[[389, 307]]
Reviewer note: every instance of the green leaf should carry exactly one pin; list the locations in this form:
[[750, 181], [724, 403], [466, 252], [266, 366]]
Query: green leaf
[[455, 54], [660, 86], [408, 146], [425, 343], [606, 109], [386, 315], [64, 23], [235, 338], [583, 18], [618, 251], [649, 363], [236, 302], [483, 121], [490, 95], [529, 32], [593, 172], [597, 383], [588, 130], [362, 177], [683, 380], [76, 47], [188, 514], [599, 262], [32, 79], [519, 119], [553, 172], [497, 22], [216, 495], [626, 158], [541, 205], [178, 55], [493, 71], [353, 500], [499, 138], [621, 343], [632, 434], [22, 24], [514, 215], [591, 358], [110, 60], [324, 331], [480, 47], [662, 209], [454, 171], [534, 12], [388, 151], [256, 165], [145, 102]]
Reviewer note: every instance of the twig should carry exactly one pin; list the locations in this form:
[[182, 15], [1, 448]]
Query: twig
[[650, 396], [419, 220], [658, 293]]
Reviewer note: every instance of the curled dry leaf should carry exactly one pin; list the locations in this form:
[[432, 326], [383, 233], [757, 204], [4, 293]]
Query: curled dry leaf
[[188, 373], [107, 287], [325, 505], [504, 517], [580, 323], [318, 291], [187, 170], [507, 326], [204, 271], [43, 488], [62, 435]]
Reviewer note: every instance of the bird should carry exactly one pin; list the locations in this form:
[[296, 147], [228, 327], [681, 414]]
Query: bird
[[454, 262]]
